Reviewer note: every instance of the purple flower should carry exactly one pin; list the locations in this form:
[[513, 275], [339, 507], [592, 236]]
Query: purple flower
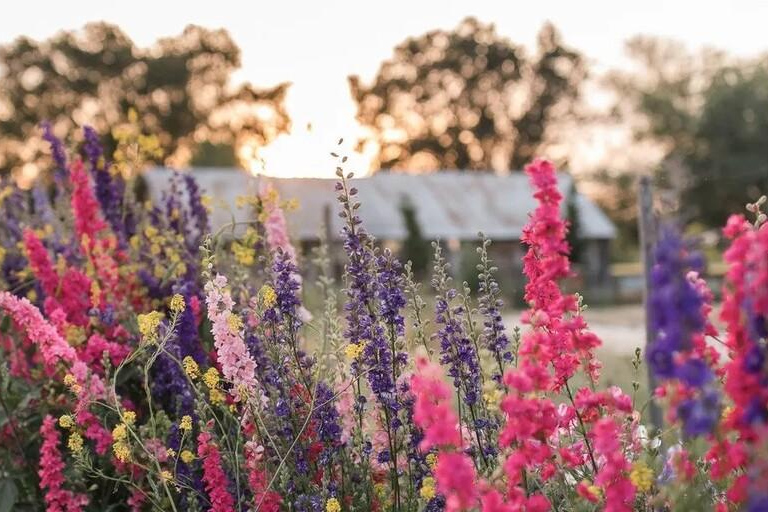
[[494, 336], [676, 318], [58, 152], [109, 188]]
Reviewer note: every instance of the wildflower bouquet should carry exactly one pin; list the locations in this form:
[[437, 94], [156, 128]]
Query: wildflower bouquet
[[149, 364]]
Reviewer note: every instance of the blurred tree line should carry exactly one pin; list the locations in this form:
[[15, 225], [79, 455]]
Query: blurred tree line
[[465, 98], [709, 115], [180, 87]]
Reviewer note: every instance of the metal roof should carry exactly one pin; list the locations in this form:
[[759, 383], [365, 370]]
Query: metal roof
[[448, 204]]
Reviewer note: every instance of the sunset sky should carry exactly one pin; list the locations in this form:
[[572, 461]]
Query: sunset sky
[[316, 45]]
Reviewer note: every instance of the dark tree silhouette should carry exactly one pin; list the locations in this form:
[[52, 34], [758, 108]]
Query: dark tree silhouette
[[179, 87], [467, 99]]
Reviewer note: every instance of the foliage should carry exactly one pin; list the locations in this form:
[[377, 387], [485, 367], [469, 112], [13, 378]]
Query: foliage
[[149, 364], [416, 248], [180, 85], [468, 99], [708, 114]]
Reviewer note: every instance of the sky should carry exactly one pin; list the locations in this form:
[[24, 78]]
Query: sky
[[316, 45]]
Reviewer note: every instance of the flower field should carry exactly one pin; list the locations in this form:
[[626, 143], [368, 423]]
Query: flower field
[[149, 364]]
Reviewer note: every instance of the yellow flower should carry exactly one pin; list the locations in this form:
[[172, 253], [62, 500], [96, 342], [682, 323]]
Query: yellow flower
[[641, 476], [427, 490], [211, 377], [353, 350], [492, 395], [129, 417], [243, 255], [268, 296], [190, 367], [122, 451], [177, 303], [332, 505], [185, 423], [120, 432], [75, 443], [66, 421], [71, 382], [235, 323], [216, 396], [148, 324], [187, 456], [431, 460], [166, 475], [170, 452]]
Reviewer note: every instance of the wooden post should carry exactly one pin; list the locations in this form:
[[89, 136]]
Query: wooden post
[[647, 224]]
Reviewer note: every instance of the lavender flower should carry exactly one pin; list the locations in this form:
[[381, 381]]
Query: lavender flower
[[676, 317], [109, 188], [494, 336], [58, 152], [675, 303], [198, 212], [457, 351]]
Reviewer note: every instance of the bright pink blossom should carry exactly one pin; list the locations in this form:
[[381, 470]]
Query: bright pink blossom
[[432, 411], [214, 477], [51, 473]]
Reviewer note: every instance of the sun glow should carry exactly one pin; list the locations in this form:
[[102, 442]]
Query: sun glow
[[305, 152]]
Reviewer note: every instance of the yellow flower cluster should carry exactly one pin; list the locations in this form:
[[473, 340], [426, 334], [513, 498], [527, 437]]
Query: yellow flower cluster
[[133, 147], [353, 350], [427, 490], [432, 461], [166, 475], [129, 417], [71, 382], [75, 443], [186, 423], [187, 456], [244, 255], [148, 324], [641, 476], [268, 296], [492, 395], [164, 248], [177, 304], [332, 505], [211, 377], [66, 421], [235, 322], [190, 367], [120, 446]]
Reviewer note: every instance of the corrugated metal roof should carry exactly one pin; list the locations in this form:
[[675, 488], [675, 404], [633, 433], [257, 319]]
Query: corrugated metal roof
[[448, 204]]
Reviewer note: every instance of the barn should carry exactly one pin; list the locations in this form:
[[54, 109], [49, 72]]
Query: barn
[[451, 206]]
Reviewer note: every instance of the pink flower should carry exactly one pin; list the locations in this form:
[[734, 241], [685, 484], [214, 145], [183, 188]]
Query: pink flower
[[51, 345], [613, 475], [236, 362], [85, 207], [214, 478], [432, 411], [51, 473], [455, 475], [274, 223], [264, 500]]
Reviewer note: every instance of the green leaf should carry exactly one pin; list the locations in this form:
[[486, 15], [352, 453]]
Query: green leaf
[[5, 324], [8, 495]]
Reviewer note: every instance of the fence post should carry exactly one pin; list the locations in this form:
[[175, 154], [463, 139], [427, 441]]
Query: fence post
[[647, 224]]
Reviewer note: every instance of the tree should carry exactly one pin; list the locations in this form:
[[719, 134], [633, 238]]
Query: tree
[[467, 99], [179, 87], [709, 116], [416, 248]]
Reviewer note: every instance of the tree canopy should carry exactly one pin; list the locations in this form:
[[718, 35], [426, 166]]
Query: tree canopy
[[710, 115], [180, 87], [468, 98]]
